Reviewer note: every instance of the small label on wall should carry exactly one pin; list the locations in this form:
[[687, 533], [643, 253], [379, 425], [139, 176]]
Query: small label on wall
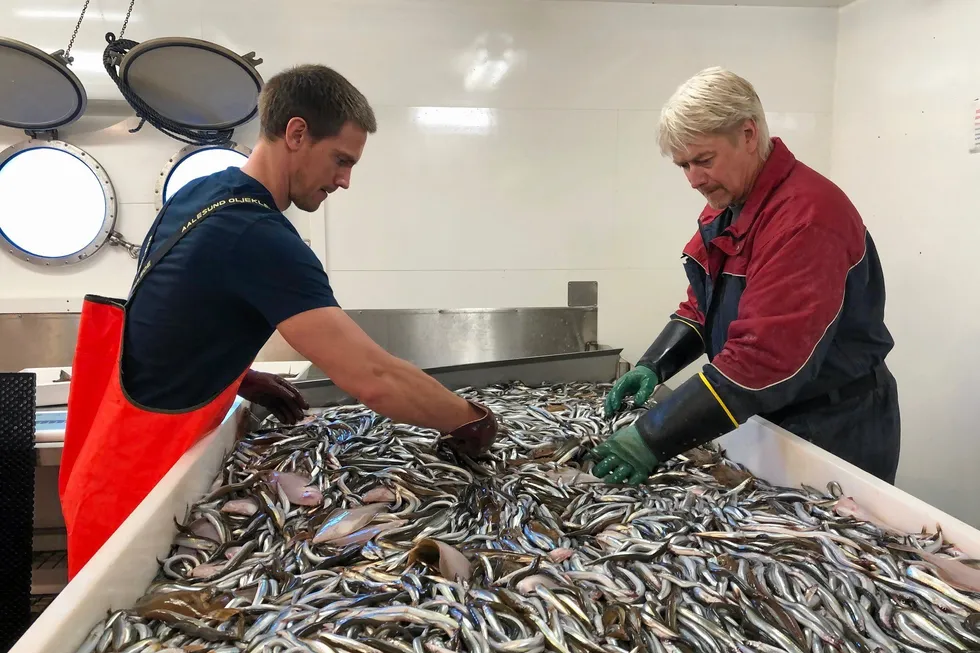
[[976, 127]]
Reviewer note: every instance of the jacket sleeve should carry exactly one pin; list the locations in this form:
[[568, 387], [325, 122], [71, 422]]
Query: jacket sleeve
[[679, 344], [689, 312], [787, 317], [788, 314]]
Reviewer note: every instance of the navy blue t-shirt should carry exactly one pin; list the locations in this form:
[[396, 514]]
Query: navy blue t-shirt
[[200, 316]]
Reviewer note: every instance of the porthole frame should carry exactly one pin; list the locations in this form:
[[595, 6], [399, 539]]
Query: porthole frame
[[56, 61], [184, 153], [246, 63], [108, 220]]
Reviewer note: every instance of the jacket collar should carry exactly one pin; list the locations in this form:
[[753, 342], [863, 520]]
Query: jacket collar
[[774, 171]]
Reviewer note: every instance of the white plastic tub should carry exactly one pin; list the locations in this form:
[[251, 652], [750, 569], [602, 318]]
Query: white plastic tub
[[119, 573], [51, 392], [782, 458], [125, 565]]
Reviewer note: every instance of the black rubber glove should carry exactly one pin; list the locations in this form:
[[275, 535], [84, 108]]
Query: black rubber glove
[[275, 394], [690, 416], [677, 346]]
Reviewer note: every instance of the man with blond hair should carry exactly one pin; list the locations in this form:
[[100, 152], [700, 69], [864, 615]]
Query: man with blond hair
[[786, 298]]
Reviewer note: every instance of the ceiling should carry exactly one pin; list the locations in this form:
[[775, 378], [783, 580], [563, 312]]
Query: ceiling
[[754, 3]]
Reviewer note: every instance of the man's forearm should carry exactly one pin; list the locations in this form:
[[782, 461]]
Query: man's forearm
[[404, 393], [388, 385]]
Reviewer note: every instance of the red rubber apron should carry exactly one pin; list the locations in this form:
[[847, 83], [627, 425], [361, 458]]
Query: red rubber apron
[[115, 450]]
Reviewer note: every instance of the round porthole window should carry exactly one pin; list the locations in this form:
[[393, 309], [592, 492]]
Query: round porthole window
[[57, 205], [194, 162]]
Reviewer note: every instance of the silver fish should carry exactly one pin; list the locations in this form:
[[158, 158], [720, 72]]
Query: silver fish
[[349, 533]]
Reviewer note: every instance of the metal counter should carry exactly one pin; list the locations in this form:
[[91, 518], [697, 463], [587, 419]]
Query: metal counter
[[597, 366], [425, 337]]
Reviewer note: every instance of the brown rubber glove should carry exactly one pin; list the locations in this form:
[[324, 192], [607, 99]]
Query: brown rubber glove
[[275, 394], [474, 438]]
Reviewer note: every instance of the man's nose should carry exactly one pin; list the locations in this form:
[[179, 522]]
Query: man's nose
[[343, 179], [696, 177]]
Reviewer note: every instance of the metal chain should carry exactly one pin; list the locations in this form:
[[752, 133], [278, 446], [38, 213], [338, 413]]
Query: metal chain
[[116, 239], [75, 33], [126, 22]]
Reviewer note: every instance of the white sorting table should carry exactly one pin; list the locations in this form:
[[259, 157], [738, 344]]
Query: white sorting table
[[122, 569], [53, 393], [52, 399]]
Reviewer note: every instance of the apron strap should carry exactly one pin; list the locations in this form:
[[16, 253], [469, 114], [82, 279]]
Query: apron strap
[[152, 233], [167, 245]]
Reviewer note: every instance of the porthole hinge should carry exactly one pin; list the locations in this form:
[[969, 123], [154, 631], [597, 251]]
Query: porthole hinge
[[116, 239], [46, 135]]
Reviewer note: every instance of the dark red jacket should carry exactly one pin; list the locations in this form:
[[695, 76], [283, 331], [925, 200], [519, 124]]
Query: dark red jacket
[[789, 299]]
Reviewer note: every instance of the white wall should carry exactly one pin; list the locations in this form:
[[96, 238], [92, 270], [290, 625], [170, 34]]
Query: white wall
[[564, 184], [908, 72]]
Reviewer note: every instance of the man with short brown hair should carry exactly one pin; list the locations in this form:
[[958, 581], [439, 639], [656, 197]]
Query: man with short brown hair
[[220, 270]]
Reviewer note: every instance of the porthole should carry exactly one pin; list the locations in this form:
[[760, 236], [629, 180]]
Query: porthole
[[195, 161], [57, 205]]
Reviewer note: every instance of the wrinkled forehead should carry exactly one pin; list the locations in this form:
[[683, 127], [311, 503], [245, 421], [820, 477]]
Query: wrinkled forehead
[[698, 147]]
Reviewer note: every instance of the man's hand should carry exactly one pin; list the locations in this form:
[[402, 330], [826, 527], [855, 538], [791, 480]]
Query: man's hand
[[275, 394], [624, 457], [474, 438], [639, 382]]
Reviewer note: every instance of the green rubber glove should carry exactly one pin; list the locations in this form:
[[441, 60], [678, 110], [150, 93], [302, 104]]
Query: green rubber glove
[[639, 382], [624, 457]]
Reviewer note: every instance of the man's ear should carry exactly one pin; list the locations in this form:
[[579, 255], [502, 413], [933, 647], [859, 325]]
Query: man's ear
[[750, 132], [296, 130]]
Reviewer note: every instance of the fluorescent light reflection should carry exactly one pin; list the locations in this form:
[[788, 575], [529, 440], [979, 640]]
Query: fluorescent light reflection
[[487, 61], [72, 14], [461, 120], [486, 74]]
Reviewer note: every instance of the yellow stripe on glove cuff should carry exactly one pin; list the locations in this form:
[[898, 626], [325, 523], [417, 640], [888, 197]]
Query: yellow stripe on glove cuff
[[720, 402]]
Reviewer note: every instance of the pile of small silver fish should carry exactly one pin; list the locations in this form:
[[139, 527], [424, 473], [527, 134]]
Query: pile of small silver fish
[[352, 534]]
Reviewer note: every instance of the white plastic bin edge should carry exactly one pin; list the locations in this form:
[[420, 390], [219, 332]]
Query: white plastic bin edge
[[120, 572]]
